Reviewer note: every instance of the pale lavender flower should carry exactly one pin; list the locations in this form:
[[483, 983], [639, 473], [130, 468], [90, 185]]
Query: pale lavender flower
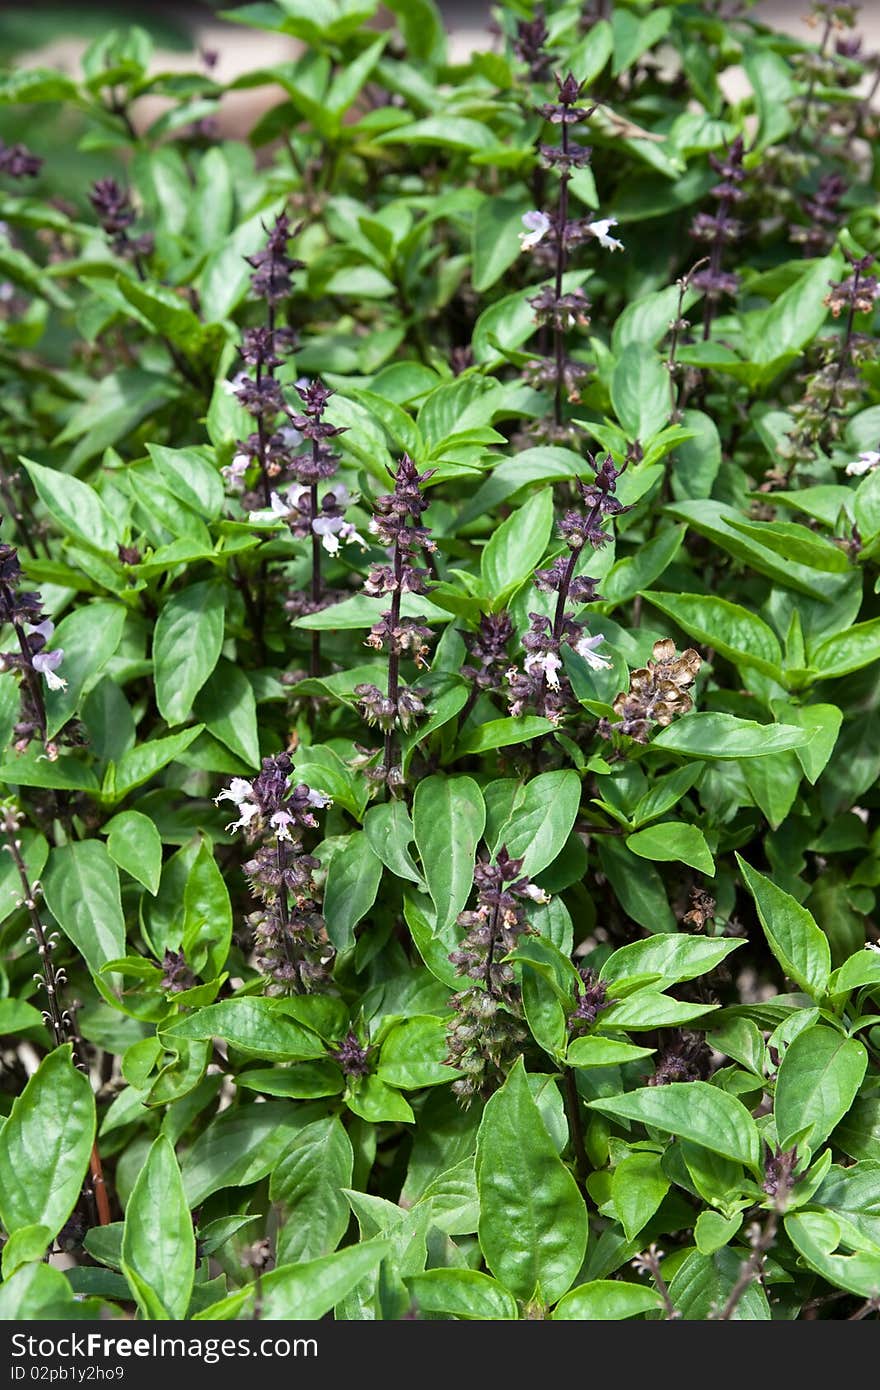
[[47, 663], [235, 471], [290, 437], [537, 226]]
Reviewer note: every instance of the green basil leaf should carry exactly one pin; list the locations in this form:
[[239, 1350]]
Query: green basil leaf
[[82, 892], [818, 1080], [133, 843], [308, 1185], [158, 1241], [696, 1111], [792, 934], [186, 647], [45, 1146], [724, 736], [533, 1222], [448, 820]]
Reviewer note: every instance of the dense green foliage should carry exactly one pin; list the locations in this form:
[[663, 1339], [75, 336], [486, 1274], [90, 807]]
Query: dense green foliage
[[443, 814]]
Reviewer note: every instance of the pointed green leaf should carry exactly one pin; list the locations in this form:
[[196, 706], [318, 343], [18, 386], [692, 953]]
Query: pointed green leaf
[[696, 1111], [533, 1221], [158, 1241], [799, 945]]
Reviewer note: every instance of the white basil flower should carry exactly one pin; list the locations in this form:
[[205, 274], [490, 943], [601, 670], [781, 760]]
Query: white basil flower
[[866, 462], [290, 436], [599, 230], [230, 387], [586, 648], [46, 664], [549, 664], [334, 531], [239, 792]]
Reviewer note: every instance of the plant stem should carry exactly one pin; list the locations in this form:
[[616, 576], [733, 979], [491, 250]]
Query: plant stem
[[19, 509], [315, 662], [575, 1127], [54, 1013], [847, 339], [842, 362], [261, 437], [683, 286], [490, 954], [562, 596], [117, 107], [714, 266], [650, 1260], [812, 83], [32, 680], [558, 334], [871, 1305], [751, 1269], [393, 661], [284, 906]]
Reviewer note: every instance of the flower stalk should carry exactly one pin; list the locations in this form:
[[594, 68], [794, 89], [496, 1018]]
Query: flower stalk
[[22, 610], [542, 683], [290, 943], [397, 525], [552, 238], [487, 1034], [720, 230]]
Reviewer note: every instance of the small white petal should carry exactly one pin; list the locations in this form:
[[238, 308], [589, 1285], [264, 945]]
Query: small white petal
[[351, 536], [599, 230], [549, 664], [586, 648], [47, 663], [537, 226], [281, 823], [327, 525], [536, 894], [866, 462], [248, 809], [230, 387]]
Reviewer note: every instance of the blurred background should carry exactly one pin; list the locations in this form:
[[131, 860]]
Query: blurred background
[[55, 33], [58, 31]]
